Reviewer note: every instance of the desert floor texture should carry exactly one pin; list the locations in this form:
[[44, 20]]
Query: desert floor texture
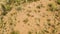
[[29, 16]]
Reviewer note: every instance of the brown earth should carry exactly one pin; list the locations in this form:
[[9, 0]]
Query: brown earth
[[32, 19]]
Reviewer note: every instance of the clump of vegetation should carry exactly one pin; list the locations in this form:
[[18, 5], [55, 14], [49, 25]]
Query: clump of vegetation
[[37, 32], [58, 1], [48, 20], [25, 21], [29, 32], [28, 14], [12, 1], [58, 23], [9, 2], [31, 0], [36, 0], [38, 7], [52, 7], [49, 24], [15, 32], [5, 8], [38, 24], [18, 8], [46, 31]]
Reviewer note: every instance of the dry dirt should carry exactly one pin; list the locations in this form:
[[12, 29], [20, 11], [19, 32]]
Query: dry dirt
[[31, 19]]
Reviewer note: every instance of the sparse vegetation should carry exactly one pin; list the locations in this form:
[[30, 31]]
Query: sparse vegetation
[[48, 20], [29, 32], [31, 0], [6, 9], [25, 21], [46, 31], [58, 1], [38, 7], [29, 16], [52, 7], [38, 24], [18, 8], [15, 32]]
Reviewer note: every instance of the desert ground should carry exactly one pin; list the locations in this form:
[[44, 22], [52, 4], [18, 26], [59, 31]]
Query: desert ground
[[29, 16]]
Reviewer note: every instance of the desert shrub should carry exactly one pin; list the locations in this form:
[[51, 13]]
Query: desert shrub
[[8, 8], [12, 1], [58, 1], [14, 32], [52, 7], [29, 32], [25, 21], [8, 1], [18, 8], [36, 0], [38, 7], [5, 8], [31, 0], [38, 24], [18, 1]]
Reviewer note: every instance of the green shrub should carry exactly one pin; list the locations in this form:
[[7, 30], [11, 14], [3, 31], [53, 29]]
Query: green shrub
[[14, 32], [18, 8], [29, 32], [58, 1], [25, 21], [31, 0], [38, 7], [6, 7], [9, 2], [52, 7], [36, 0]]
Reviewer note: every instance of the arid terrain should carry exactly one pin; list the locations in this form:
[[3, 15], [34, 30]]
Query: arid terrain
[[29, 16]]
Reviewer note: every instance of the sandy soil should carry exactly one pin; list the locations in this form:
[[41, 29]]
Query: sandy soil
[[32, 19]]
